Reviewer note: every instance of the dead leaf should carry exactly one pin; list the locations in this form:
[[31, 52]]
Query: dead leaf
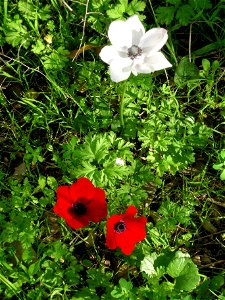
[[77, 52], [19, 171]]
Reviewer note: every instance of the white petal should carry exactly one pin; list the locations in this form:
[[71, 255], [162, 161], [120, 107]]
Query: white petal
[[120, 69], [142, 68], [120, 35], [137, 29], [153, 40], [108, 53], [157, 61]]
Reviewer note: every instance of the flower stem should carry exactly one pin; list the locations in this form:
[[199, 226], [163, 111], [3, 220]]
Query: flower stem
[[122, 104]]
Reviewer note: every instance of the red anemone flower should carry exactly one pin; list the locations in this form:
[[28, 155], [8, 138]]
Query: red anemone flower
[[124, 230], [80, 203]]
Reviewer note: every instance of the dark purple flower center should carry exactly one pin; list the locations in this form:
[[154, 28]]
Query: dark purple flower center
[[120, 227], [134, 51], [79, 208]]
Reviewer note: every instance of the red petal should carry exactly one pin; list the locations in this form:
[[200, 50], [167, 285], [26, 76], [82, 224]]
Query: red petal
[[110, 231], [63, 201], [97, 207], [135, 231], [131, 211], [124, 243], [83, 188]]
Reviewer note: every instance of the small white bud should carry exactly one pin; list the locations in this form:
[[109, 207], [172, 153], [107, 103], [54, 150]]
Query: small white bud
[[120, 162]]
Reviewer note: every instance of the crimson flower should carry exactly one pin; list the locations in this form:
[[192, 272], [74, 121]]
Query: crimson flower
[[80, 203], [124, 231]]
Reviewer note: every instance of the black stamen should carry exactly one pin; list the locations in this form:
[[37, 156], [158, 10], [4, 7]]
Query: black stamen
[[79, 208], [120, 227], [134, 51]]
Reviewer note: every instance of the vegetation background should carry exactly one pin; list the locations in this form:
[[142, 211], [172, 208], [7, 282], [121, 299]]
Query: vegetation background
[[60, 120]]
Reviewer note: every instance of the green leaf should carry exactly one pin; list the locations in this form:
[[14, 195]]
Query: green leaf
[[199, 5], [218, 166], [31, 11], [184, 271], [217, 282], [147, 265], [125, 285], [56, 60], [222, 154], [209, 48], [34, 268], [42, 182], [185, 71], [135, 6], [118, 11], [16, 33], [184, 14], [38, 47], [222, 175], [206, 65], [165, 15], [52, 182]]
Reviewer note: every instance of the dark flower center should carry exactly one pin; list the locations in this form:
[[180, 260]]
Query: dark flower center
[[79, 208], [120, 227], [134, 51]]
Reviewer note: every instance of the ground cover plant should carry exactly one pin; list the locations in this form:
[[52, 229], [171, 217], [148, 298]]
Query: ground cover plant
[[112, 149]]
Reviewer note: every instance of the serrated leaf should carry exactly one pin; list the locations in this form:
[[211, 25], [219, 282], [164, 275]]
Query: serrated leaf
[[118, 11], [165, 15], [31, 11], [16, 33], [56, 60], [38, 47], [184, 14], [198, 5], [135, 6]]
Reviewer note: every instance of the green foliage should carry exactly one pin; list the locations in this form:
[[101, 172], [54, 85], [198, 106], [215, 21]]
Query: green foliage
[[123, 7], [16, 33], [60, 120], [171, 137], [95, 158], [182, 11], [186, 72], [184, 274], [123, 291], [173, 214], [220, 165]]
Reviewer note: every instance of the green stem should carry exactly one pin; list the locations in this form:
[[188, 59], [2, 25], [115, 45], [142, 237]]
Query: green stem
[[5, 11], [122, 104]]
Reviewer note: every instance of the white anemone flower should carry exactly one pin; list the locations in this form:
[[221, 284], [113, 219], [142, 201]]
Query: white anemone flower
[[133, 50]]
